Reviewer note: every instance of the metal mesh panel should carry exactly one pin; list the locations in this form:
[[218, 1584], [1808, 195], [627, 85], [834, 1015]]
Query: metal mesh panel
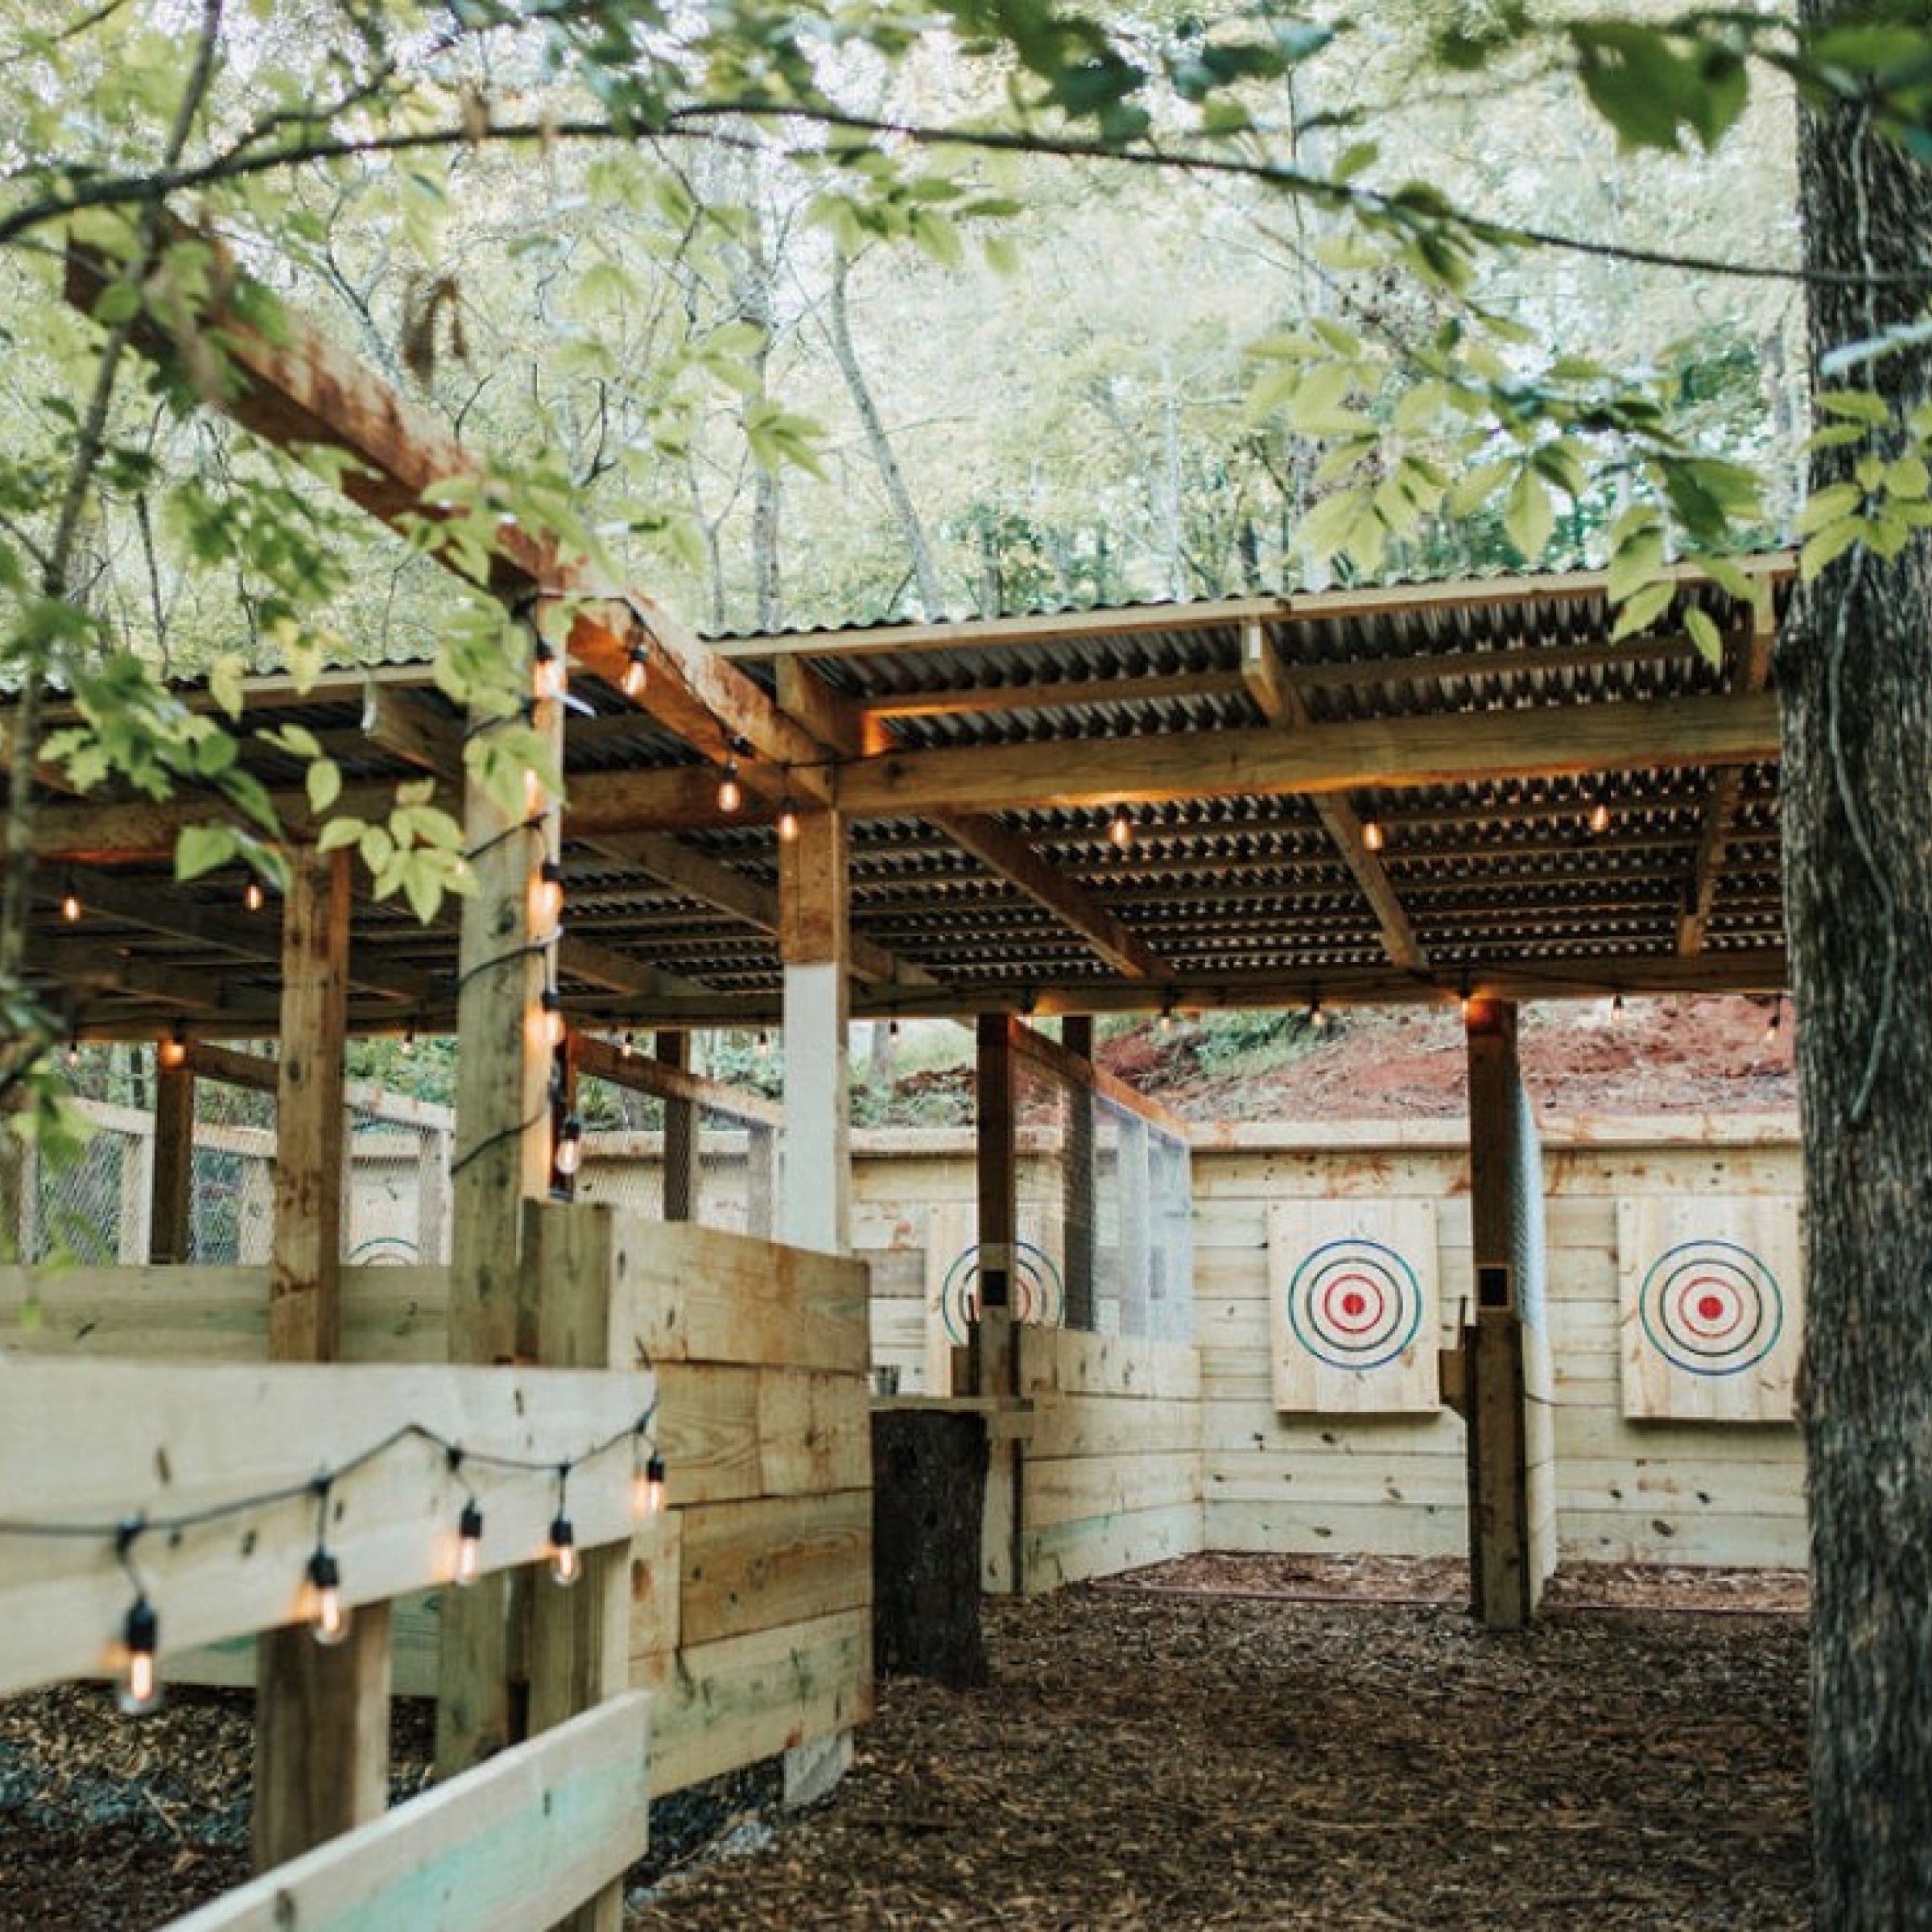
[[77, 1209], [1052, 1193], [396, 1203]]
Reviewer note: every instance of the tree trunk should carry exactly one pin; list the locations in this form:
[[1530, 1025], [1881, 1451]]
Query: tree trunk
[[1855, 674], [838, 332]]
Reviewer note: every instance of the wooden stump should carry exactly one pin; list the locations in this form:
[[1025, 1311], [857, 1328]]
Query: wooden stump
[[929, 1494]]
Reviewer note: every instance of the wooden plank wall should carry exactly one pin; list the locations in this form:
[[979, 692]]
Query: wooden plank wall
[[1110, 1477]]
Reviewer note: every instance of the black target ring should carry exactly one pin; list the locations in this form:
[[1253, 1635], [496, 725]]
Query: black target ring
[[1711, 1307], [1355, 1304]]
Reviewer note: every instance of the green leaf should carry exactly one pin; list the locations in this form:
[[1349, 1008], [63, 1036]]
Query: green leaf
[[1643, 608], [1705, 635], [1528, 516], [339, 832], [1860, 405], [1828, 546], [324, 784], [201, 849], [1826, 506], [224, 684]]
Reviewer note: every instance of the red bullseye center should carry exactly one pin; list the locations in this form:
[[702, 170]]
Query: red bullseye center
[[1352, 1303], [1710, 1309]]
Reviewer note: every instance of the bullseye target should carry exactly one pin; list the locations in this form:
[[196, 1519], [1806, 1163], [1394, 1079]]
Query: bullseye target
[[1039, 1296], [1355, 1304], [1711, 1307], [1711, 1289], [1353, 1285]]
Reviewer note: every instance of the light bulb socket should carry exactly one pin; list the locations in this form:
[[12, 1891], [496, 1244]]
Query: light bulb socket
[[140, 1690], [636, 670], [569, 1154], [566, 1564]]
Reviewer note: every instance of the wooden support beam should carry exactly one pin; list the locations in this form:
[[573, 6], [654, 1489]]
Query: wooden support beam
[[1080, 1180], [680, 1174], [598, 1059], [1507, 1391], [993, 1358], [1752, 672], [321, 1714], [580, 1649], [1274, 691], [502, 1159], [171, 1202], [1047, 694], [1388, 753], [814, 1207], [1010, 856]]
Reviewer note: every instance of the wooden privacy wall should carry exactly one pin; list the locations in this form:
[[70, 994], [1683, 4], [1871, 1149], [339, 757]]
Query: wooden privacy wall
[[1111, 1454], [752, 1593]]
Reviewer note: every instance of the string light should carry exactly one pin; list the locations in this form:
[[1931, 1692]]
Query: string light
[[570, 1146], [1775, 1024], [551, 1028], [731, 794], [1617, 1008], [566, 1560], [138, 1684], [548, 681], [1600, 816], [173, 1051], [409, 1042], [1120, 829], [252, 896], [1374, 838], [761, 1046], [73, 1049], [788, 819], [1166, 1019], [70, 901], [636, 670], [1317, 1014], [627, 1045]]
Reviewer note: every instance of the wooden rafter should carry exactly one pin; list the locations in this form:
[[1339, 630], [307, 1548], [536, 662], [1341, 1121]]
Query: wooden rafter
[[1752, 659], [1281, 704]]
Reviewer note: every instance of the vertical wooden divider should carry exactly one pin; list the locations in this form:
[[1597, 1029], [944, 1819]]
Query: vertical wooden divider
[[321, 1715], [993, 1350], [1078, 1178], [673, 1050], [579, 1638], [501, 1160]]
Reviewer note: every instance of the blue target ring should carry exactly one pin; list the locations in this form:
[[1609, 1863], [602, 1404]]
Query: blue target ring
[[1711, 1307], [1355, 1304], [1039, 1296]]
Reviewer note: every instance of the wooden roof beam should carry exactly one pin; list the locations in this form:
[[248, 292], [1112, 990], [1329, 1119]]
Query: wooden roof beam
[[1752, 658], [1282, 704]]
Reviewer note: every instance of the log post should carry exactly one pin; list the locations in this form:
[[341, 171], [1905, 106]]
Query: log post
[[503, 1158], [578, 1637], [321, 1715], [171, 1204], [1511, 1517]]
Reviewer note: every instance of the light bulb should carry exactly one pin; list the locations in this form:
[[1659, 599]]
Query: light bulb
[[1600, 816], [761, 1046], [569, 1155], [173, 1051], [788, 820], [647, 1490], [1120, 829], [627, 1045], [252, 896], [1373, 838], [329, 1615], [1166, 1019], [550, 1031], [140, 1690], [409, 1043], [1776, 1022], [566, 1563], [70, 903], [731, 795], [1616, 1007], [73, 1052], [637, 668], [469, 1546], [1318, 1017]]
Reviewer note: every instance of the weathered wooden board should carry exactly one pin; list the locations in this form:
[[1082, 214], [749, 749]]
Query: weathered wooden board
[[779, 1560], [1069, 1553], [1083, 1488], [515, 1843], [1353, 1289], [1711, 1298]]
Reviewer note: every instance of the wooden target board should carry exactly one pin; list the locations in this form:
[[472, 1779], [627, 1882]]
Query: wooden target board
[[1710, 1306], [1352, 1288]]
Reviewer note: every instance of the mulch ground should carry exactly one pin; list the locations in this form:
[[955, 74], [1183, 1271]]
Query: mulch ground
[[1260, 1742]]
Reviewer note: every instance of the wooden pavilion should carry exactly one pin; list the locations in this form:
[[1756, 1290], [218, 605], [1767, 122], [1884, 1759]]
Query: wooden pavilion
[[1414, 793]]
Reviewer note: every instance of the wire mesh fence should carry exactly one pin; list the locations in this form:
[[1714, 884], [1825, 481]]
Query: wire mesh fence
[[682, 1160]]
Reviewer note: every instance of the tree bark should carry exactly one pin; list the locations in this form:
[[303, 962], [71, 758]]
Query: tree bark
[[1854, 671]]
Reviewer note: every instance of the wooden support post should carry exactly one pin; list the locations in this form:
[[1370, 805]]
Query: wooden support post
[[502, 1159], [579, 1637], [321, 1715], [680, 1133], [993, 1353], [171, 1219], [1077, 1179], [304, 1308], [761, 1181], [1512, 1540], [814, 937]]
